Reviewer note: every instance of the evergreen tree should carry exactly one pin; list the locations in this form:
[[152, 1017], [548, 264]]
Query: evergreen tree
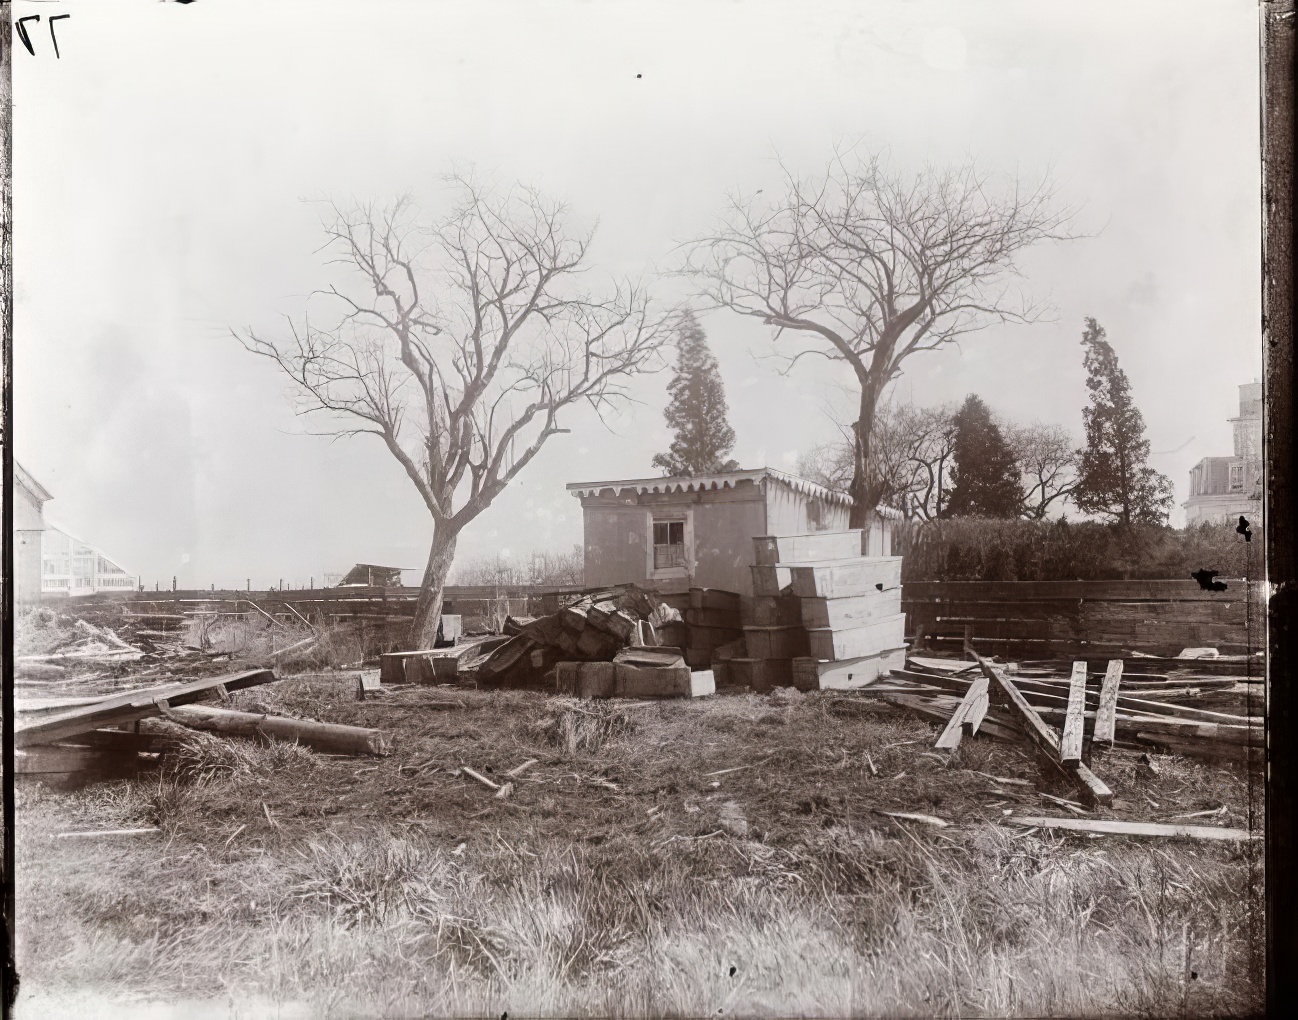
[[1113, 477], [986, 473], [697, 412]]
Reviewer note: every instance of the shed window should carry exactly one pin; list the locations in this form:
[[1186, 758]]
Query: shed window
[[669, 544]]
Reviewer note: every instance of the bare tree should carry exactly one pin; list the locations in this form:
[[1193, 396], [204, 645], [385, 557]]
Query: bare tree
[[912, 449], [1047, 459], [459, 344], [869, 266]]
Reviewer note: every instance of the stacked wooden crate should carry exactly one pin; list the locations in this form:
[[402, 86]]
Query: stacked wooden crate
[[712, 620], [850, 627], [773, 636]]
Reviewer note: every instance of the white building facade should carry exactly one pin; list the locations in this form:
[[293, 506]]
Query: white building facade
[[71, 567], [1223, 489]]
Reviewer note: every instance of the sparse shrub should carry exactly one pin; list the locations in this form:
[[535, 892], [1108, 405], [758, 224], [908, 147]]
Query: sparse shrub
[[585, 727], [200, 758]]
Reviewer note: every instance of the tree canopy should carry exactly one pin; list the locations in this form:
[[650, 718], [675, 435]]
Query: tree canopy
[[986, 475], [460, 342], [1114, 478], [867, 265], [697, 411]]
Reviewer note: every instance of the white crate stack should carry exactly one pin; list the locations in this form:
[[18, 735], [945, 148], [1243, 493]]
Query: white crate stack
[[850, 605]]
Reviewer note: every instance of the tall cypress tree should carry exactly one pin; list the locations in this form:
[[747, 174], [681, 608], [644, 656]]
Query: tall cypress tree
[[1114, 478], [697, 412], [986, 471]]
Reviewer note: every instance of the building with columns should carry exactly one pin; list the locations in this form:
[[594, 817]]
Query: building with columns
[[1223, 489]]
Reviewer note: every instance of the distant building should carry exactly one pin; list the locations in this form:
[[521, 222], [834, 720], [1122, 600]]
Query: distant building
[[1225, 488], [30, 498], [372, 575], [71, 567], [674, 533]]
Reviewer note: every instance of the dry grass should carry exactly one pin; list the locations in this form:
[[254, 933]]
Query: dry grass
[[254, 640], [628, 875]]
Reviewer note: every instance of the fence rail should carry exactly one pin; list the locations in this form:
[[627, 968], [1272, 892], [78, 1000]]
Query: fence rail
[[1041, 619]]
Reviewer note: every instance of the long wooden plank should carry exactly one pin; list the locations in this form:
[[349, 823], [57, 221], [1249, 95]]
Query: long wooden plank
[[824, 545], [1106, 714], [1090, 785], [131, 706], [810, 674], [1035, 727], [1013, 591], [940, 709], [968, 709], [869, 639], [1115, 827], [1130, 725], [1047, 694], [840, 578], [1070, 744], [852, 611]]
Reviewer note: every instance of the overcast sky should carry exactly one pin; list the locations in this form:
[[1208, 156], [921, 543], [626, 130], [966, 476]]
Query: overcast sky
[[165, 168]]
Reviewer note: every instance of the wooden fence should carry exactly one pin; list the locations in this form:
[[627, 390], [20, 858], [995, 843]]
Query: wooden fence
[[1045, 619], [332, 604]]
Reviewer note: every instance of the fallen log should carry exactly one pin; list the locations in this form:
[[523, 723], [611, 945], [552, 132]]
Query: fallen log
[[329, 737], [130, 707]]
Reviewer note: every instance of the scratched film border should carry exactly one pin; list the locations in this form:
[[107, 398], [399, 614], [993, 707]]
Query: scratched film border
[[8, 974], [1281, 456], [1277, 29]]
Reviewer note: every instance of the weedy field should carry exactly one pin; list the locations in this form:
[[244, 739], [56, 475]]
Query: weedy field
[[725, 856]]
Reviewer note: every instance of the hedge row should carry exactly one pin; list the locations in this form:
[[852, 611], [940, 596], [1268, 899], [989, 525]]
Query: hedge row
[[992, 550]]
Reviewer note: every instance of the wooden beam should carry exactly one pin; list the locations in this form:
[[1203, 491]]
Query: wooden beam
[[330, 737], [1115, 827], [969, 713], [1090, 785], [1106, 715], [1035, 727], [1070, 744], [131, 706]]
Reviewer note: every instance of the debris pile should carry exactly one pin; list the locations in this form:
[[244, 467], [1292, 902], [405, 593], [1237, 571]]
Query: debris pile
[[94, 737], [592, 628], [822, 615], [1072, 720], [635, 672], [712, 621]]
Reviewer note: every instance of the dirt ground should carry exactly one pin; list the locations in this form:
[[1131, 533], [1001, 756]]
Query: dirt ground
[[725, 856]]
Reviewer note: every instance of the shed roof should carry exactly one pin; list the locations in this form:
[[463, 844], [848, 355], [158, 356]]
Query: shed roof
[[718, 480]]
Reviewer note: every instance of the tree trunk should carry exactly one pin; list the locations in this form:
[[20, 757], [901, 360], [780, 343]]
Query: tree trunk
[[864, 498], [428, 610]]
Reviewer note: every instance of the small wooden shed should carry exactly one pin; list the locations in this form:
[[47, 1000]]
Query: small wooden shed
[[677, 533]]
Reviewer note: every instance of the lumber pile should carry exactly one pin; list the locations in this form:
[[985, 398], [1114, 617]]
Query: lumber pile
[[635, 672], [589, 628], [822, 614], [711, 622], [1073, 719]]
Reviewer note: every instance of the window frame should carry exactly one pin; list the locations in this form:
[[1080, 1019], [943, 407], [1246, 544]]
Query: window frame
[[669, 515]]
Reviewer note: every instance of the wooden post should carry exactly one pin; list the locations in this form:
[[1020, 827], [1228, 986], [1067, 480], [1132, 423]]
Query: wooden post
[[1105, 716], [1070, 746]]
